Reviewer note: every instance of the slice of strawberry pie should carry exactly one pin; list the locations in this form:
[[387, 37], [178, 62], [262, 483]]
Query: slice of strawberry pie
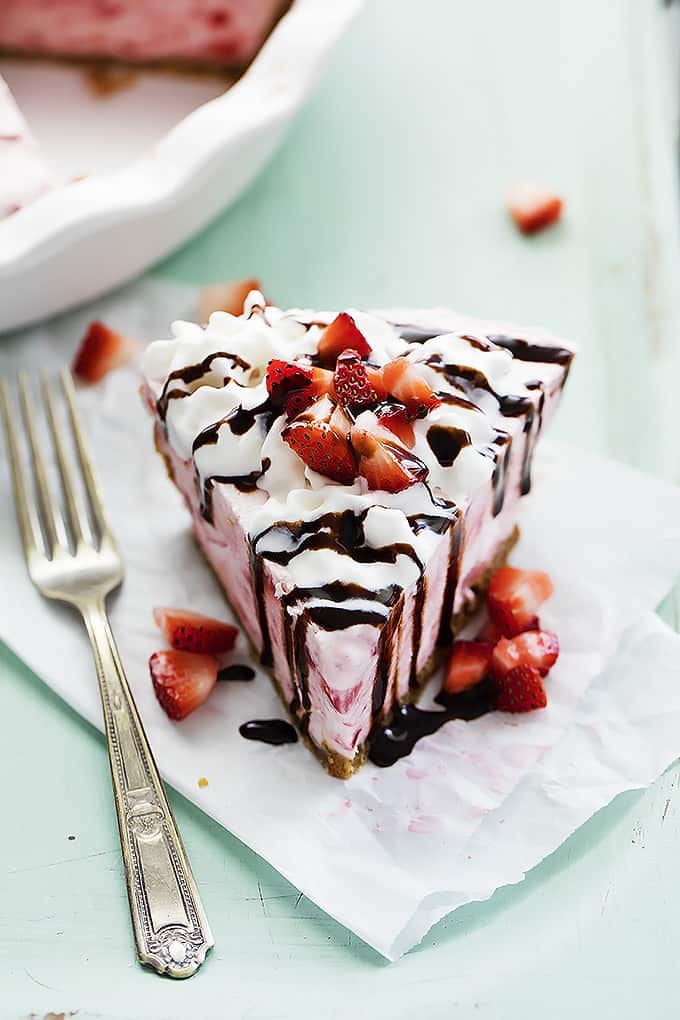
[[353, 480]]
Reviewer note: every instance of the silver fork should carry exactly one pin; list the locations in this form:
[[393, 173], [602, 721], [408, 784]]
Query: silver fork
[[73, 557]]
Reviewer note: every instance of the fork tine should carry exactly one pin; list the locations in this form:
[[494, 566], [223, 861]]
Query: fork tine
[[77, 520], [89, 477], [50, 516], [27, 515]]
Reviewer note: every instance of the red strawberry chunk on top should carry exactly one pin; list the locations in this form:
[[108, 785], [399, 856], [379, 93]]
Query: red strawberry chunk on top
[[533, 207], [192, 632], [101, 350], [284, 377], [395, 418], [300, 400], [385, 465], [323, 446], [514, 598], [182, 680], [520, 690], [341, 335], [406, 382], [295, 386], [537, 648], [352, 386], [469, 664]]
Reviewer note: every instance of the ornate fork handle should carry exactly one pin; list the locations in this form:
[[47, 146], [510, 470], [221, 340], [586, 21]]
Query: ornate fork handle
[[171, 930]]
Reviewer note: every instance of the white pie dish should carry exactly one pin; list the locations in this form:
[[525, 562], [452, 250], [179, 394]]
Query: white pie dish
[[83, 238]]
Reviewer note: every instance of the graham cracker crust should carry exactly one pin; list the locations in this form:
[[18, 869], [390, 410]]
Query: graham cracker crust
[[336, 764]]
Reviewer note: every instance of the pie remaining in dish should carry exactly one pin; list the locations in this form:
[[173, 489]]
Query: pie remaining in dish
[[184, 34], [216, 33], [354, 481]]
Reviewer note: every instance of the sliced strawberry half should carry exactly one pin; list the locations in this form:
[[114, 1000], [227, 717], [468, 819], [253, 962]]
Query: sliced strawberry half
[[385, 465], [352, 386], [229, 296], [537, 648], [469, 664], [532, 207], [342, 334], [182, 680], [284, 377], [520, 690], [300, 400], [296, 386], [395, 418], [407, 384], [101, 350], [192, 632], [323, 444], [514, 598]]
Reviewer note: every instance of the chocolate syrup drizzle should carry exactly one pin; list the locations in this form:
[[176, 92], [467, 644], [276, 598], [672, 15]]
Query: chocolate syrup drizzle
[[471, 381], [269, 731], [191, 374], [409, 723], [525, 350], [236, 673], [331, 607], [446, 442]]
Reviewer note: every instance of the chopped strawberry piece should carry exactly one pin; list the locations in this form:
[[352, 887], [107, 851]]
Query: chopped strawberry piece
[[101, 350], [537, 648], [520, 690], [225, 297], [296, 386], [376, 380], [341, 335], [407, 384], [300, 400], [284, 378], [182, 680], [506, 655], [395, 418], [533, 208], [385, 465], [468, 665], [351, 385], [323, 446], [192, 632], [514, 598]]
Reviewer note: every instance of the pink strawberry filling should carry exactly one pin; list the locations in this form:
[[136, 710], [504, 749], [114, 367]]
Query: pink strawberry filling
[[139, 31]]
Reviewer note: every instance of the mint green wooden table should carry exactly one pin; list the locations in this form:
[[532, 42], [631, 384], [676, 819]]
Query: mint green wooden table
[[389, 190]]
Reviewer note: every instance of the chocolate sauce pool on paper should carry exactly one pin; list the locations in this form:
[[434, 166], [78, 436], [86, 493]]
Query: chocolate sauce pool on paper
[[269, 731], [237, 673], [410, 723]]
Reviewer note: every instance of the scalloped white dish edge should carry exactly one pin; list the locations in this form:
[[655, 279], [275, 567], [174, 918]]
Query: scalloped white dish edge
[[82, 239]]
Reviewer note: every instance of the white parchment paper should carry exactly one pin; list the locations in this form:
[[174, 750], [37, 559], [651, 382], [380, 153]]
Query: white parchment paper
[[475, 806]]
